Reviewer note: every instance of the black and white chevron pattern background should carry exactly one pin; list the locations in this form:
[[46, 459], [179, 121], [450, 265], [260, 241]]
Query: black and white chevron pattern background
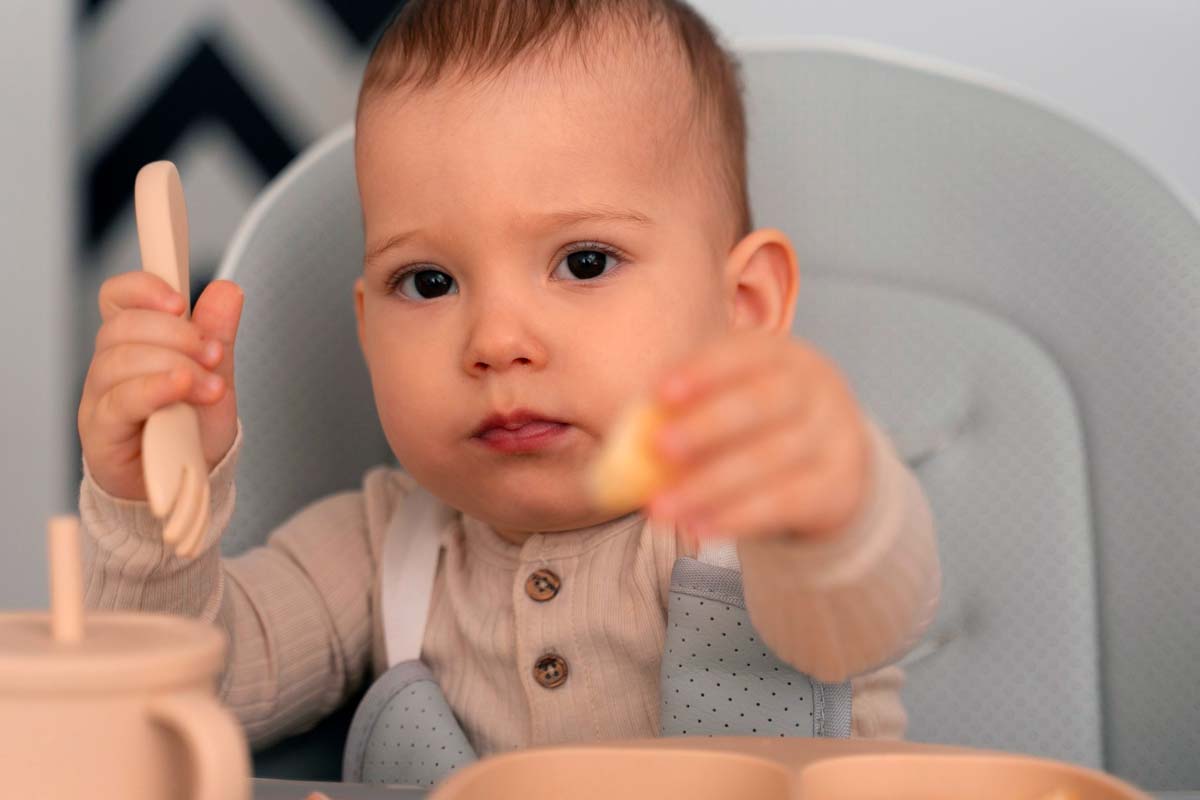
[[230, 90]]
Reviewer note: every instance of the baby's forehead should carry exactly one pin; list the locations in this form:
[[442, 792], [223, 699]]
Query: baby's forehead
[[605, 69], [627, 80], [582, 129], [616, 101]]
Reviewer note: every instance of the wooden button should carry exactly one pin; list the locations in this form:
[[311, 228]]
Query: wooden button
[[550, 671], [542, 585]]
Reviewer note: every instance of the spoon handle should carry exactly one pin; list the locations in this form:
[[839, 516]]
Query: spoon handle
[[162, 225]]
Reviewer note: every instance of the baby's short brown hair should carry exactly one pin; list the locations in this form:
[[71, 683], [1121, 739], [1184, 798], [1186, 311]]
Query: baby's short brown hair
[[427, 39]]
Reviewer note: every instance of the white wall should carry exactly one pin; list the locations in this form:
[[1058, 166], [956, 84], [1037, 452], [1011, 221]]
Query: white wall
[[1130, 68], [35, 325]]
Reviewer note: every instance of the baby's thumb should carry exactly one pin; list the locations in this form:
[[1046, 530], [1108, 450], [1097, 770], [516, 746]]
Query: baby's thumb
[[217, 314]]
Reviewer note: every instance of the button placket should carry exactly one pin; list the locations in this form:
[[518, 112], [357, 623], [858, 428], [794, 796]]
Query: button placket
[[549, 670]]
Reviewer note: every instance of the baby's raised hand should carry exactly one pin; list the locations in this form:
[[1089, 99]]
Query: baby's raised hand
[[147, 357], [765, 437]]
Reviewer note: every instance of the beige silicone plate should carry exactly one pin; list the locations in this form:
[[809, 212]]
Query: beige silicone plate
[[777, 769]]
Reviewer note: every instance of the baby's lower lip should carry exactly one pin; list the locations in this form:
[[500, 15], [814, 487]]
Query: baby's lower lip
[[527, 438]]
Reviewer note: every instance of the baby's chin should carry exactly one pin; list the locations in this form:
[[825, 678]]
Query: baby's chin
[[536, 504], [536, 520], [529, 493]]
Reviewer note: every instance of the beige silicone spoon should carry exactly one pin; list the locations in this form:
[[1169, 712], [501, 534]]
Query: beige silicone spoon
[[174, 469]]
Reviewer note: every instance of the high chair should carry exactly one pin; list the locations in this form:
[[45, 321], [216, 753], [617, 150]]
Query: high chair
[[1014, 297]]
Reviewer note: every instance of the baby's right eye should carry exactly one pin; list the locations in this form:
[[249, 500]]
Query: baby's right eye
[[425, 284]]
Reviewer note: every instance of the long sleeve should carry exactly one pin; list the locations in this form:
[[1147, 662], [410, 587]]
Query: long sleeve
[[840, 608], [297, 611], [126, 565]]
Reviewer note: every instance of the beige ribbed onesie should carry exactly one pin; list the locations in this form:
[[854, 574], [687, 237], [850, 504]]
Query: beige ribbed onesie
[[302, 610]]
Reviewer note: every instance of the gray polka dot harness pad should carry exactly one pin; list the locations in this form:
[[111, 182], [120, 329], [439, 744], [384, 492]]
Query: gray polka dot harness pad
[[718, 677]]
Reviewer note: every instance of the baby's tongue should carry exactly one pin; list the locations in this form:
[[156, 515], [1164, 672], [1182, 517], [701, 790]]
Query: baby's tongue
[[526, 431]]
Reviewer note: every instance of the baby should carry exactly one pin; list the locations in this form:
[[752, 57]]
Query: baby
[[556, 223]]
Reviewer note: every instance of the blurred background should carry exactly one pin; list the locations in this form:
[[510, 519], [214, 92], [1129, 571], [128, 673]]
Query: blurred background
[[232, 90]]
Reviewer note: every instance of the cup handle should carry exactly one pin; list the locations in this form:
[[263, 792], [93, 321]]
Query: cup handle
[[215, 741]]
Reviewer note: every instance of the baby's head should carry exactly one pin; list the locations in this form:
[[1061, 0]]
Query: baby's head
[[555, 210]]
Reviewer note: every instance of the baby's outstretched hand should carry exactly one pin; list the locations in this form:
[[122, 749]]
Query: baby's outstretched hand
[[765, 438]]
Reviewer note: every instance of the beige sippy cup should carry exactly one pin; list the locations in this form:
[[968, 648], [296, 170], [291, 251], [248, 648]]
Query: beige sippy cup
[[113, 704]]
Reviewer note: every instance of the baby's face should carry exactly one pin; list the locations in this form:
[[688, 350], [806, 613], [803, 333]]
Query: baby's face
[[540, 247]]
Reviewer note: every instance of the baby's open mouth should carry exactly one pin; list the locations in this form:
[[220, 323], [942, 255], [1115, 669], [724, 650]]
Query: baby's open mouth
[[525, 431], [519, 431]]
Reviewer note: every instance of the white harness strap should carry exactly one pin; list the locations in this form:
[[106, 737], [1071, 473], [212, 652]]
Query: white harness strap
[[410, 557], [719, 553]]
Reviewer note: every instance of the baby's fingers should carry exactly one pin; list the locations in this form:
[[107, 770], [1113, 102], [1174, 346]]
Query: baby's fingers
[[131, 403], [721, 479], [730, 415], [724, 362], [138, 289], [138, 326], [124, 362], [810, 508]]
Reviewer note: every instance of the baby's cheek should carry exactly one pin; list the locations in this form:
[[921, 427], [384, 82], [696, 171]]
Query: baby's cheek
[[410, 423]]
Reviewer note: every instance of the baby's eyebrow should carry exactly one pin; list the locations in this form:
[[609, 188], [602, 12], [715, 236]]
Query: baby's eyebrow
[[374, 252], [598, 213], [553, 219]]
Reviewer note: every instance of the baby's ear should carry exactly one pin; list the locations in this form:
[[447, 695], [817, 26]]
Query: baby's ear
[[762, 270], [359, 297]]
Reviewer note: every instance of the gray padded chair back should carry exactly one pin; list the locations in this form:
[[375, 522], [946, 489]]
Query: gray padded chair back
[[988, 422], [890, 171], [304, 394], [1014, 299]]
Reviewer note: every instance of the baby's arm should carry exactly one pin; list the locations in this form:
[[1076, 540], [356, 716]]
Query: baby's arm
[[840, 608], [297, 610]]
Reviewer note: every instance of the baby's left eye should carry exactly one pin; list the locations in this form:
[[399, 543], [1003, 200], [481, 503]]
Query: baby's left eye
[[585, 264]]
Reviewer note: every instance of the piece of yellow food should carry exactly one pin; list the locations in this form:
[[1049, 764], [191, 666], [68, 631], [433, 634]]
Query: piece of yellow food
[[628, 470]]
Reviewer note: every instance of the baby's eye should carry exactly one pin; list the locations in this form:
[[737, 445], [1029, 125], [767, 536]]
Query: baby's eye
[[585, 264], [426, 284]]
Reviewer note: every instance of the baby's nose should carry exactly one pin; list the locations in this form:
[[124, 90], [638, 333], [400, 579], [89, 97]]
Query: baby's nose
[[499, 364], [497, 345]]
